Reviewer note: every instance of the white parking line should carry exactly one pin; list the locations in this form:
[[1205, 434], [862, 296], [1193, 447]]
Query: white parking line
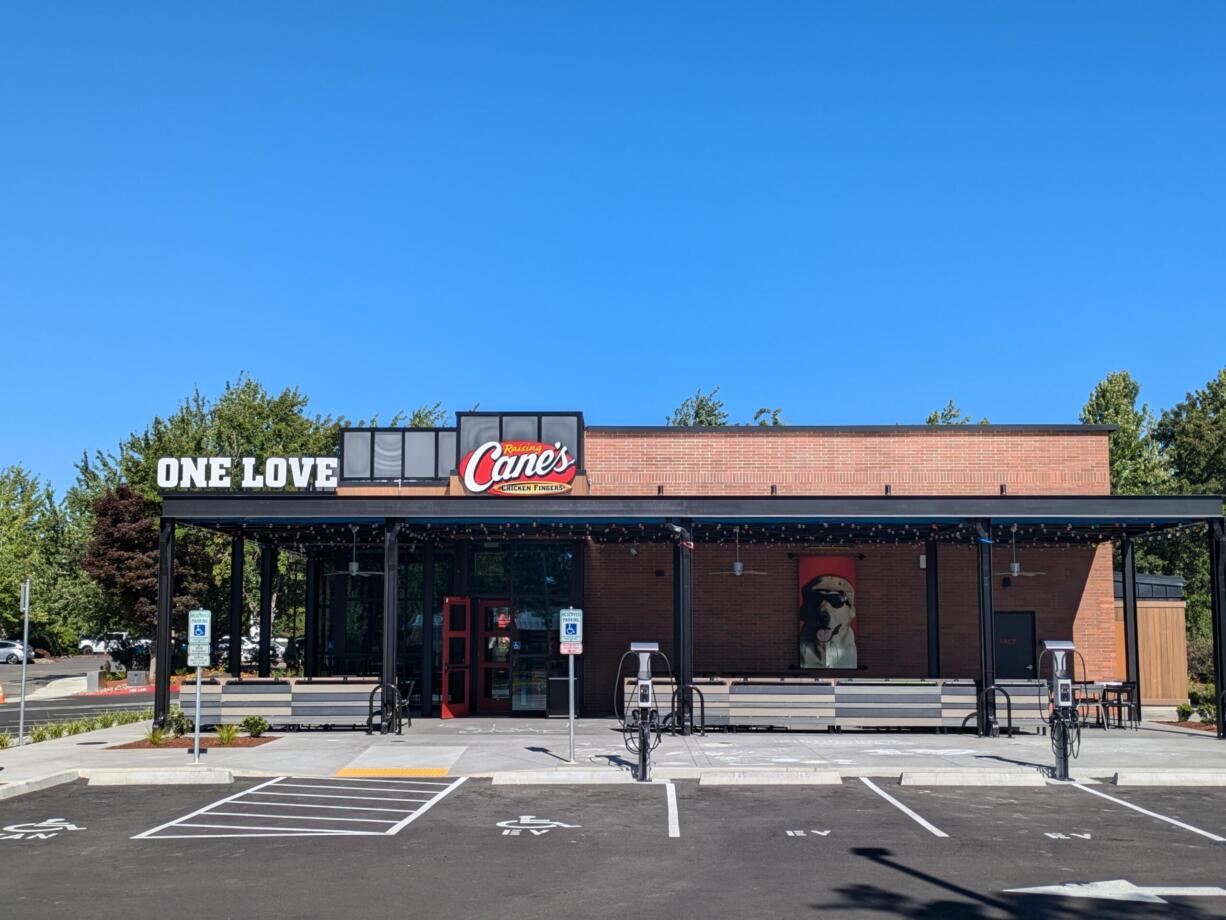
[[674, 826], [354, 788], [1146, 811], [318, 824], [425, 808], [318, 795], [927, 825], [200, 811], [256, 814]]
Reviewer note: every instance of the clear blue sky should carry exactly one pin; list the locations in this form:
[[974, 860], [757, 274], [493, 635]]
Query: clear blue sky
[[854, 211]]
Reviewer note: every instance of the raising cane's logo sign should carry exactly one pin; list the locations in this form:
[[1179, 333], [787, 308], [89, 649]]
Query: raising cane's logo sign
[[518, 468]]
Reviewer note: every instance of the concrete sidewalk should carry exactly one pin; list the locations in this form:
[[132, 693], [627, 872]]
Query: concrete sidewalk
[[536, 750]]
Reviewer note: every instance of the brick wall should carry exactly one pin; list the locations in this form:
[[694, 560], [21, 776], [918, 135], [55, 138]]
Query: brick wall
[[924, 461], [749, 624]]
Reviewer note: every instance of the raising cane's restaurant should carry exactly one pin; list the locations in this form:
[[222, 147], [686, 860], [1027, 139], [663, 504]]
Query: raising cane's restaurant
[[795, 577]]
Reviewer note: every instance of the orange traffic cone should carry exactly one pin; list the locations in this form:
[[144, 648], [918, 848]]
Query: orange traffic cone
[[1, 693]]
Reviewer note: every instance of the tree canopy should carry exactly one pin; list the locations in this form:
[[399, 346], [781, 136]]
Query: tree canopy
[[706, 410], [1138, 466], [952, 415]]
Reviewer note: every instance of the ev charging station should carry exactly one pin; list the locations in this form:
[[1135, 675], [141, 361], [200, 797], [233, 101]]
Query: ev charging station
[[1065, 724], [641, 724]]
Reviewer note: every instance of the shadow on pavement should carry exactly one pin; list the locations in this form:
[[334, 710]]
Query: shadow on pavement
[[966, 904]]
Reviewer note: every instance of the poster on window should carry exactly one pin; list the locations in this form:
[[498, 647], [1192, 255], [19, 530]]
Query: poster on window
[[827, 612]]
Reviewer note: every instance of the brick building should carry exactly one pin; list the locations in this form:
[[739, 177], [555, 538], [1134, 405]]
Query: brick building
[[935, 553]]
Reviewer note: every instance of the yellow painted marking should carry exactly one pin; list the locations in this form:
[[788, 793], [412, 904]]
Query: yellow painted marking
[[392, 771]]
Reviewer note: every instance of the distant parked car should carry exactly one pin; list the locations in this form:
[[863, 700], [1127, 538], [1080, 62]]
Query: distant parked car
[[12, 651], [248, 650], [105, 643]]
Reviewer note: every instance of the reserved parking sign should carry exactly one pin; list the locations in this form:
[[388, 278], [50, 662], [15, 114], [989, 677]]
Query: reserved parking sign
[[199, 638], [570, 631]]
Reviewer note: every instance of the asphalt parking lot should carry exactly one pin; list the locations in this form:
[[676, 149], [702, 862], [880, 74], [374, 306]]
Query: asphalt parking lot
[[357, 847]]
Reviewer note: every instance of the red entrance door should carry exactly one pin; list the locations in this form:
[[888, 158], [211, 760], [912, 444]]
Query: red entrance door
[[456, 696], [496, 625]]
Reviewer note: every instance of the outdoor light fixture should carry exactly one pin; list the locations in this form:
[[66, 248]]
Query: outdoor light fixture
[[923, 560]]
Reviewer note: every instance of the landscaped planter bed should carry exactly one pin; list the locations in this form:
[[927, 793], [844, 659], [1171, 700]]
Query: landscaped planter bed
[[187, 741]]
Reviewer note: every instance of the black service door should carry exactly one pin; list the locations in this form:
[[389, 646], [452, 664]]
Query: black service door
[[1015, 646]]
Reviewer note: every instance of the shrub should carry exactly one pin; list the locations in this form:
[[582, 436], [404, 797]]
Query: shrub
[[255, 725], [1207, 713], [178, 722], [39, 733], [5, 740], [79, 726], [1184, 711], [155, 736], [1200, 693], [226, 734], [56, 729]]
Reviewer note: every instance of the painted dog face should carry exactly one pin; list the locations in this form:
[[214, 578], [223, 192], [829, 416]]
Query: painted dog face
[[827, 607]]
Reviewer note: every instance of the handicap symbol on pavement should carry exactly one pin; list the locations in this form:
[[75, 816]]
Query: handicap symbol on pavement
[[43, 830], [532, 824]]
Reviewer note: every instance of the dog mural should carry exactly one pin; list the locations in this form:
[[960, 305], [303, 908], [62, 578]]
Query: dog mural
[[827, 609]]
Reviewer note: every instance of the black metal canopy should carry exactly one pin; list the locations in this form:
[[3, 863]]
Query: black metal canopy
[[306, 521]]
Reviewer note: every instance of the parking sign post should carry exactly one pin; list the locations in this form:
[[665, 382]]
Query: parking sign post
[[25, 654], [570, 627], [199, 653]]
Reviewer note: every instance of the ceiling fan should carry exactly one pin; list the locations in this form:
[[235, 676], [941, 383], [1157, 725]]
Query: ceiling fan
[[354, 568], [738, 567], [1015, 567]]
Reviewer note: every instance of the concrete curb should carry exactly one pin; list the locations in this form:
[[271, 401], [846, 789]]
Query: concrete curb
[[166, 776], [561, 777], [770, 778], [34, 784], [1170, 778], [972, 778]]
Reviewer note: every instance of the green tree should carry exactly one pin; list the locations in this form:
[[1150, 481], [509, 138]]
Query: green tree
[[1193, 436], [767, 417], [952, 415], [705, 410], [1138, 466], [702, 410], [25, 506], [428, 416]]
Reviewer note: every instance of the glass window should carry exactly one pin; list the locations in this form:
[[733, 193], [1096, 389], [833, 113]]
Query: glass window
[[387, 454], [446, 454], [419, 454], [530, 680], [519, 427], [476, 430], [490, 572], [357, 455], [564, 428]]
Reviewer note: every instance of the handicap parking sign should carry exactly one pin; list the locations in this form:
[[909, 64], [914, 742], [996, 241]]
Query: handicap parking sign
[[570, 620]]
